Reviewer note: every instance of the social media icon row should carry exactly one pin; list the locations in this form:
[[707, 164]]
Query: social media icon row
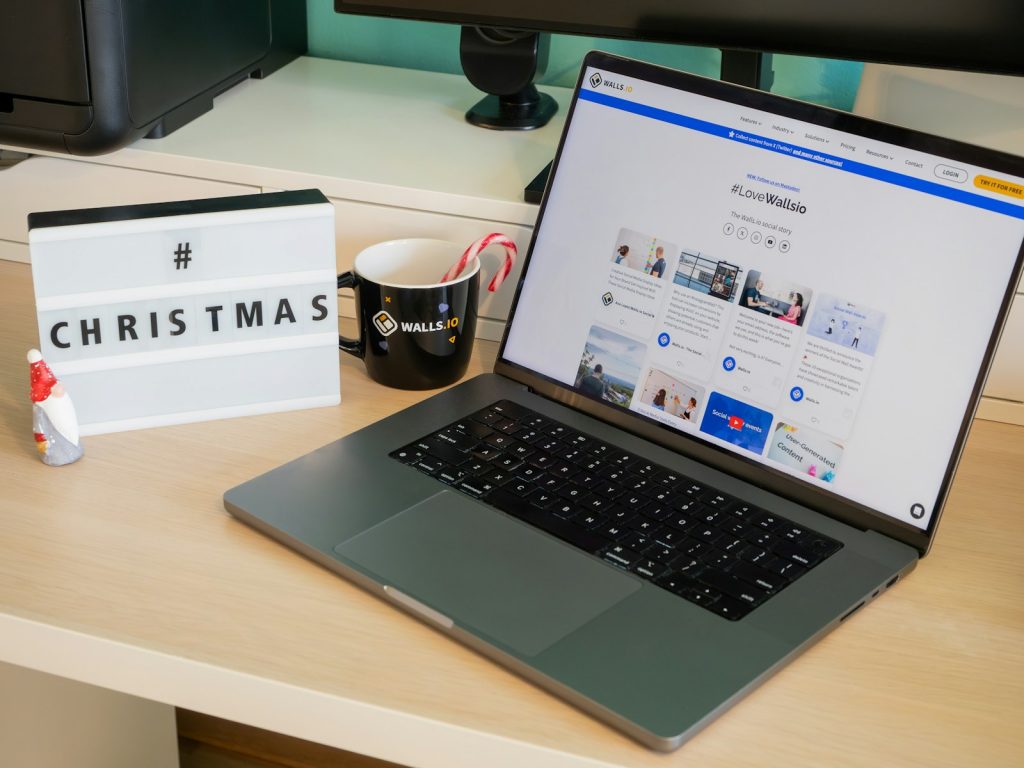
[[756, 237]]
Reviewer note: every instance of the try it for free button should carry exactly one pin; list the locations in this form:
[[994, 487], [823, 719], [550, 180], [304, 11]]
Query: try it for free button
[[1000, 186]]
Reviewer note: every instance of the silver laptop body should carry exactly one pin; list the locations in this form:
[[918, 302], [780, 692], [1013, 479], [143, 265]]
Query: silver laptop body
[[799, 326]]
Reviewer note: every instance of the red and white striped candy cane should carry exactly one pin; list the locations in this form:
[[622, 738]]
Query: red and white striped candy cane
[[474, 251]]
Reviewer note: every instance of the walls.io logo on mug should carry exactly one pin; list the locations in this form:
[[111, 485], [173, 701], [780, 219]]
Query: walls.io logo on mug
[[384, 323]]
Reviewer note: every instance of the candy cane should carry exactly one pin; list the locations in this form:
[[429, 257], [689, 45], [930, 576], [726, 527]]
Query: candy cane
[[474, 251]]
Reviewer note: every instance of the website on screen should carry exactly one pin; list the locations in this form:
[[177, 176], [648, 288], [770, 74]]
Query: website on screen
[[817, 301]]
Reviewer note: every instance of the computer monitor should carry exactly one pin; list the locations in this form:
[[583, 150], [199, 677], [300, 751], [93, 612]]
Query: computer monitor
[[502, 50]]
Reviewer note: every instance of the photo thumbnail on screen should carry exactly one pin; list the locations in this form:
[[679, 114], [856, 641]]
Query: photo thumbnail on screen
[[609, 367], [644, 253]]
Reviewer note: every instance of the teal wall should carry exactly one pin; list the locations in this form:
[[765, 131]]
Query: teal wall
[[435, 47]]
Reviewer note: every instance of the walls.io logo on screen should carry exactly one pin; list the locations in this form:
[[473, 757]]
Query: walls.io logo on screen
[[595, 80]]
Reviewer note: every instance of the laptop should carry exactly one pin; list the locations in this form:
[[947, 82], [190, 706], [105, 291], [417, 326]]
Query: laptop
[[742, 361]]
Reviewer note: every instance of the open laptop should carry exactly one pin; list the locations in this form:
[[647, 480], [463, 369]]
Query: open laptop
[[744, 354]]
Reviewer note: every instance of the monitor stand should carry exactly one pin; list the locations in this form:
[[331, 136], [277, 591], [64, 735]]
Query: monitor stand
[[504, 63], [749, 68]]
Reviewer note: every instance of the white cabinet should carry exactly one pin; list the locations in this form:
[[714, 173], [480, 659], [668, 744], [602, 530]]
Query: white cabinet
[[59, 184]]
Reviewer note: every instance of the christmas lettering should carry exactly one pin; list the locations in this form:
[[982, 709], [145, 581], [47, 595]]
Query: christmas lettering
[[218, 315]]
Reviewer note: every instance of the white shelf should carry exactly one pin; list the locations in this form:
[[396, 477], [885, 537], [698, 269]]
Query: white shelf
[[391, 149]]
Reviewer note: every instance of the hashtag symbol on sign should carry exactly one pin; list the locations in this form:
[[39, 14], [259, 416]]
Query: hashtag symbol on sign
[[182, 257], [735, 189]]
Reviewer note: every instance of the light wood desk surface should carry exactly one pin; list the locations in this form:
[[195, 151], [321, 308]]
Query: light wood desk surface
[[125, 571]]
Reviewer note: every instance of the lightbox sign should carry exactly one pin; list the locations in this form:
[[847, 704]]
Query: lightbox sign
[[177, 312]]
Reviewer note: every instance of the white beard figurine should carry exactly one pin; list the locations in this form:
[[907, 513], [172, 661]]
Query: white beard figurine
[[53, 415]]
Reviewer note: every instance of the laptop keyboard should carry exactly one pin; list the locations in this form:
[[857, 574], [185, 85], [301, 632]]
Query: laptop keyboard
[[708, 547]]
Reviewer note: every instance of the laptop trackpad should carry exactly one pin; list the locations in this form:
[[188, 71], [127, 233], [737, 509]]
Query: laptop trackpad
[[488, 572]]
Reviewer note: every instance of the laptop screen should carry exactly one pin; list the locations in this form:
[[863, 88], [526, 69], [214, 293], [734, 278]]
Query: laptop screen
[[817, 301]]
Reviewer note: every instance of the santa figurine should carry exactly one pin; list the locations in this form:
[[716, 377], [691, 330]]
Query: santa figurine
[[53, 415]]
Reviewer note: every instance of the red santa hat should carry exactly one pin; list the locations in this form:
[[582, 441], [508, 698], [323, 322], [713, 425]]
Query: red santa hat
[[40, 375]]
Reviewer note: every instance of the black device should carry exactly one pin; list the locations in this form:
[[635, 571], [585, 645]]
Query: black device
[[980, 36], [90, 76]]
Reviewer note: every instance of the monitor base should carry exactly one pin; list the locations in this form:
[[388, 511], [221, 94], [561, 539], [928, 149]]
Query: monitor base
[[513, 113]]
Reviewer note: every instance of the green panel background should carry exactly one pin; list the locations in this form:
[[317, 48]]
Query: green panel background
[[435, 47]]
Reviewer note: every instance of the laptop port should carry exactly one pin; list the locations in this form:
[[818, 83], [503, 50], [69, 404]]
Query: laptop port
[[852, 611]]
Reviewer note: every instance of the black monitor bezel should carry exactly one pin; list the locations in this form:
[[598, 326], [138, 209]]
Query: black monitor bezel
[[950, 36], [826, 502]]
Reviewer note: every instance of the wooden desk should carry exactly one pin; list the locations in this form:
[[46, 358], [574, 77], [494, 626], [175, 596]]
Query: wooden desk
[[124, 571]]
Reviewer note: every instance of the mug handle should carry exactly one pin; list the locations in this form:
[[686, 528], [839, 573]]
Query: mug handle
[[352, 346]]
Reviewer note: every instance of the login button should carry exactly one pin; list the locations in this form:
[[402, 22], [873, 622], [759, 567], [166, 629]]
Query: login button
[[949, 173]]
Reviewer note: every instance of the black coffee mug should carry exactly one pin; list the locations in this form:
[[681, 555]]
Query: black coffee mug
[[415, 332]]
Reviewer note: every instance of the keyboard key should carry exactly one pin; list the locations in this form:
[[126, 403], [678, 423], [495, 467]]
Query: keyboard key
[[473, 429], [541, 498], [700, 595], [475, 487], [767, 521], [457, 439], [613, 531], [744, 511], [754, 554], [529, 436], [692, 547], [658, 512], [512, 410], [508, 427], [430, 465], [450, 476], [487, 416], [507, 462], [520, 450], [759, 577], [787, 550], [500, 441], [735, 588], [621, 556], [608, 490], [760, 538], [496, 476], [634, 501], [787, 568], [718, 500], [519, 486], [572, 492], [706, 533], [589, 520], [730, 608], [408, 455], [676, 582], [530, 473], [661, 553], [731, 546], [669, 536], [563, 509], [687, 504], [485, 451], [637, 540], [820, 545], [649, 569], [681, 522], [715, 558], [644, 525], [540, 460]]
